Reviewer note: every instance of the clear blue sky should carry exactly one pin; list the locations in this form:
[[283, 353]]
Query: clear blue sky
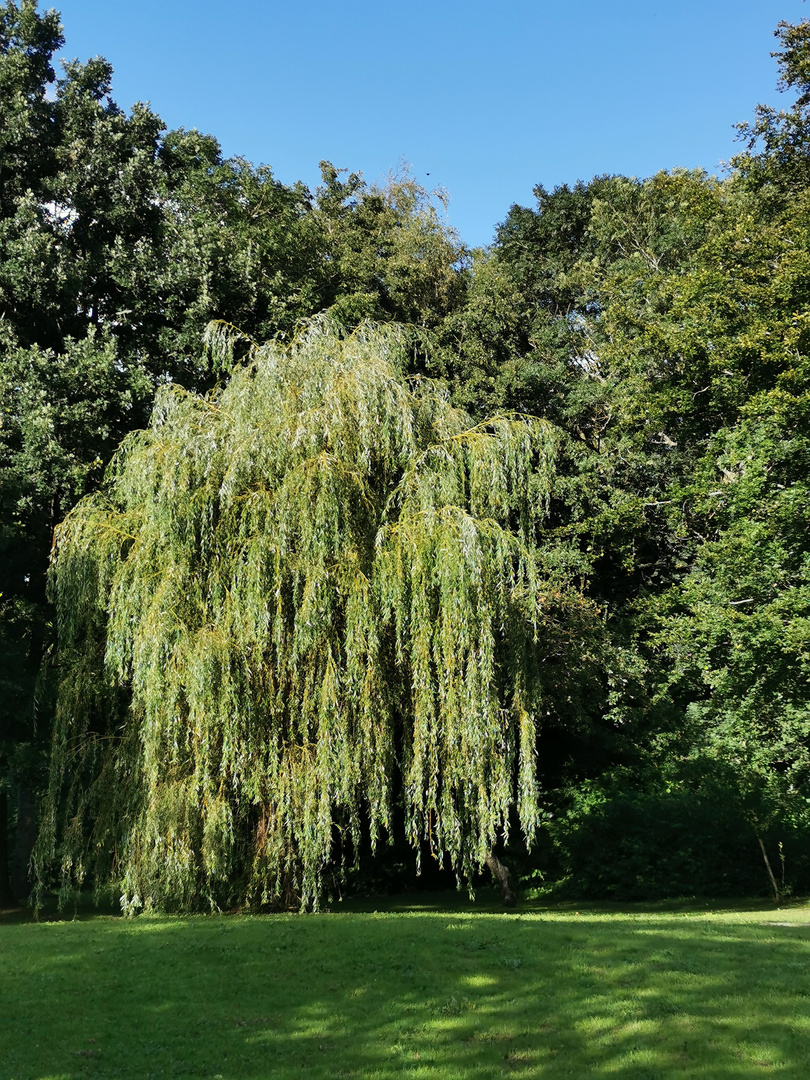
[[489, 99]]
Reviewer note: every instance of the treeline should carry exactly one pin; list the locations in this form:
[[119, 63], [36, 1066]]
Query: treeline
[[655, 331]]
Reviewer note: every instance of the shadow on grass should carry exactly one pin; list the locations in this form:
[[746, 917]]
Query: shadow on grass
[[85, 908], [424, 994], [487, 901], [440, 901]]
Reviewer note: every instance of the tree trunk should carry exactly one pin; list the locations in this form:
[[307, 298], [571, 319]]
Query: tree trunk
[[26, 835], [6, 896], [777, 896], [503, 876]]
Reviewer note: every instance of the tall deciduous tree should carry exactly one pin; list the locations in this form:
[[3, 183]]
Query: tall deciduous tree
[[310, 596], [776, 159], [79, 225], [389, 252]]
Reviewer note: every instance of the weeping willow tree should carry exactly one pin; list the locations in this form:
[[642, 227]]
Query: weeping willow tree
[[301, 600]]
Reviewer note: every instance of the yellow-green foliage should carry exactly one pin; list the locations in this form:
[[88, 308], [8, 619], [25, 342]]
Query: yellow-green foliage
[[313, 592]]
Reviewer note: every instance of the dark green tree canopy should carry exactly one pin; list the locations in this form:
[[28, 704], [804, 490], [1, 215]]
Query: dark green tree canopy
[[776, 157]]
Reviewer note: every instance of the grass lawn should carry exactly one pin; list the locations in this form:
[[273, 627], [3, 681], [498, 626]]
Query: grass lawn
[[438, 992]]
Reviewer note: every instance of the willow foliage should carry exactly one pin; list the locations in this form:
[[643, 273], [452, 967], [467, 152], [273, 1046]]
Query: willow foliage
[[296, 601]]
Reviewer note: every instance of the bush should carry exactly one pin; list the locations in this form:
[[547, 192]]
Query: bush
[[648, 846]]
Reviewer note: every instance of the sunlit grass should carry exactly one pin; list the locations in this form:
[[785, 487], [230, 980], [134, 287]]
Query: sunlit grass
[[442, 993]]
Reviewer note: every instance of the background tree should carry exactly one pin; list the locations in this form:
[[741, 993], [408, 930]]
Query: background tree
[[660, 323], [238, 245], [390, 254], [775, 161], [79, 222]]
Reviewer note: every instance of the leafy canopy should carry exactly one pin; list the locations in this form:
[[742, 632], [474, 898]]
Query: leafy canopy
[[295, 602]]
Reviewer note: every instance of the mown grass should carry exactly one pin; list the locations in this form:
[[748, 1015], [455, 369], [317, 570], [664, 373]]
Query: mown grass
[[440, 993]]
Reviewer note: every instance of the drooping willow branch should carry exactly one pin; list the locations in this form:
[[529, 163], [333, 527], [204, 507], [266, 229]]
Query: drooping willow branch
[[309, 595]]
